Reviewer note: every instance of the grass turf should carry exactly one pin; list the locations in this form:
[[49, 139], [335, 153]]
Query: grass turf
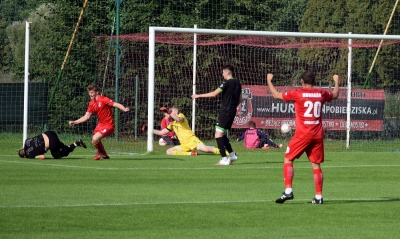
[[159, 196]]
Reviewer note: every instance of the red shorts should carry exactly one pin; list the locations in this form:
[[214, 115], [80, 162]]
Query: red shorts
[[314, 148], [104, 130]]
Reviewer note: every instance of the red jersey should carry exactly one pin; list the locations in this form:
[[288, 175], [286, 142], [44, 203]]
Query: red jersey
[[164, 124], [102, 108], [308, 104]]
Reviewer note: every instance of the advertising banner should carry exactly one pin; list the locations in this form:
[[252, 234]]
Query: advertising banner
[[258, 105]]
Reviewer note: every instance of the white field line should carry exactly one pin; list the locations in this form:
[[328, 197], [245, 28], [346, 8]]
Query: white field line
[[179, 203], [193, 202], [205, 168]]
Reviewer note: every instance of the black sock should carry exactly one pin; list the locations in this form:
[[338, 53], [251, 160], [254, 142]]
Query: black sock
[[227, 144], [72, 146], [221, 147]]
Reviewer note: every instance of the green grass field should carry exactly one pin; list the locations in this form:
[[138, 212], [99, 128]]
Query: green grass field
[[158, 196]]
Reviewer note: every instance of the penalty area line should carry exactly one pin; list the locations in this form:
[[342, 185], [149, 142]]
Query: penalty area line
[[130, 204], [233, 167], [191, 202]]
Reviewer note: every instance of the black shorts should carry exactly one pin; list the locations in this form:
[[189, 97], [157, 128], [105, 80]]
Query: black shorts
[[57, 148], [54, 142], [225, 118]]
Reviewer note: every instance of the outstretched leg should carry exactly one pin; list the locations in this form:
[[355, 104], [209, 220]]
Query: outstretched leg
[[208, 149], [65, 150], [272, 143], [177, 150]]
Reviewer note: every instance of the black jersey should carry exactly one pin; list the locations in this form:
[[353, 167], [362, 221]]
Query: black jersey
[[34, 146], [231, 90]]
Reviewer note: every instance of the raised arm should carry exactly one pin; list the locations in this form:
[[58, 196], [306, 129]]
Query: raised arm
[[274, 92], [82, 119], [335, 91], [121, 107]]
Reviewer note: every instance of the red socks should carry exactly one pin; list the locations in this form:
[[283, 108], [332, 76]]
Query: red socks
[[288, 174], [100, 148], [318, 181]]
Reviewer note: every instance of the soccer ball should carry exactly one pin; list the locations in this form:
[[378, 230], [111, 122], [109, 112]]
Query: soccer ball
[[285, 128], [162, 142]]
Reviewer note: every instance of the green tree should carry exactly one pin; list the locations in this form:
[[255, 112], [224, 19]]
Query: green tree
[[11, 11], [360, 17], [4, 47], [273, 15]]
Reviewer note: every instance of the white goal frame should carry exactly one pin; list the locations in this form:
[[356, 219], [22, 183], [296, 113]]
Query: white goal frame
[[152, 36]]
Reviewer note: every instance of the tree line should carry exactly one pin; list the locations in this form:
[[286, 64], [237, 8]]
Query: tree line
[[53, 22]]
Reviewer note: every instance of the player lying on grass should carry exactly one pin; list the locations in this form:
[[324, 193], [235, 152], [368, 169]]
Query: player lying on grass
[[189, 141], [37, 146], [255, 138]]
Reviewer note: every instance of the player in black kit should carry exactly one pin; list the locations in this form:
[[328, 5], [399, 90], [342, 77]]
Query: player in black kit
[[231, 91], [37, 146]]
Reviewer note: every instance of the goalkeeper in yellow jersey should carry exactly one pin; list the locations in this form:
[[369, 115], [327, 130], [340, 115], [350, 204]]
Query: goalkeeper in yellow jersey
[[189, 141]]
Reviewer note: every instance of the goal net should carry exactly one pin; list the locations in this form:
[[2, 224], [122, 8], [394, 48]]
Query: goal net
[[185, 62]]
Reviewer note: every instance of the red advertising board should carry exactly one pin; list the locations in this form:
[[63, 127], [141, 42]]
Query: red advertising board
[[258, 105]]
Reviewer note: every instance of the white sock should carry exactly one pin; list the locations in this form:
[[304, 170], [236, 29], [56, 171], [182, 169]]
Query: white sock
[[288, 190], [318, 197], [231, 154]]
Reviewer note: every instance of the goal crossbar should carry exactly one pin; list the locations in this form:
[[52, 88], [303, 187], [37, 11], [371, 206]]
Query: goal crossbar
[[272, 33]]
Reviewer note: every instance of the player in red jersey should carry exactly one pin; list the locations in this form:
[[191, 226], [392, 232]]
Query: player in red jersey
[[100, 106], [170, 137], [309, 135]]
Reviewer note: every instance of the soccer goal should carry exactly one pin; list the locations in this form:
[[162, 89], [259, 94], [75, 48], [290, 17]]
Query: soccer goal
[[284, 54], [183, 61]]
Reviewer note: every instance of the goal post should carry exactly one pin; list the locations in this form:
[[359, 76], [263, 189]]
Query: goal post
[[152, 58], [26, 82], [348, 118]]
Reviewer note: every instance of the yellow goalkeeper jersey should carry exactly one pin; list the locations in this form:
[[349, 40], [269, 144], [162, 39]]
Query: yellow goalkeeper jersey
[[181, 129]]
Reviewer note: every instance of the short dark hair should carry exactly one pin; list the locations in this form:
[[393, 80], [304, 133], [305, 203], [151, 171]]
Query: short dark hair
[[21, 153], [93, 87], [308, 77], [252, 124], [229, 68]]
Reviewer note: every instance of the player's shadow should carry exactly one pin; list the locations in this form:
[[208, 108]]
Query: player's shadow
[[149, 159], [259, 163], [346, 201], [272, 162], [64, 158]]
